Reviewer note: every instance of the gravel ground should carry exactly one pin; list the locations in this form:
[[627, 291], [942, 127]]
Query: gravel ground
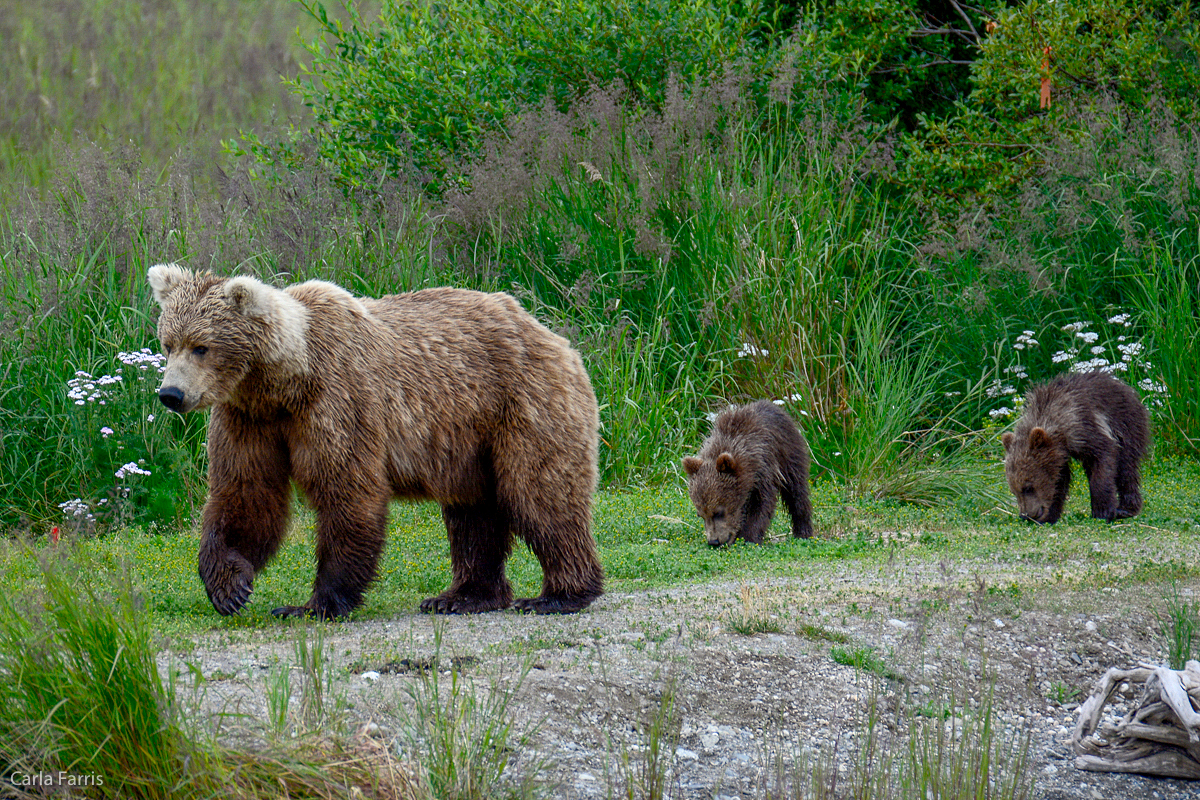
[[596, 679]]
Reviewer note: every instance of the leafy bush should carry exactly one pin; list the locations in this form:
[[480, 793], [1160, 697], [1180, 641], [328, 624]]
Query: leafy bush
[[408, 92]]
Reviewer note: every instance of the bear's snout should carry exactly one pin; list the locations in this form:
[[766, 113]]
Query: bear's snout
[[172, 398]]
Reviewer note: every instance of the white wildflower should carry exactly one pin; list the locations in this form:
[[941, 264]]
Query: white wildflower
[[1074, 327], [1120, 319], [1087, 336], [130, 469], [106, 431], [752, 350], [1003, 411], [1025, 340], [1063, 355], [1000, 389]]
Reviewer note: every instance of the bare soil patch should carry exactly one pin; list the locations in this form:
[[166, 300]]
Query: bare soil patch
[[597, 677]]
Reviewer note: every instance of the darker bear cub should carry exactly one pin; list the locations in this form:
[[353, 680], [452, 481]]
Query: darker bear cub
[[1091, 417], [754, 454]]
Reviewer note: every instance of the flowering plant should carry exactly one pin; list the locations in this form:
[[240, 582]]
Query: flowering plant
[[138, 465]]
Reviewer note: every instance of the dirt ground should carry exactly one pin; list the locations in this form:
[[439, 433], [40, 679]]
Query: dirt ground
[[595, 679]]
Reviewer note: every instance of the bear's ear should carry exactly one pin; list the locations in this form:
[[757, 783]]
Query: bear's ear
[[248, 296], [726, 463], [691, 465], [164, 278], [1007, 440], [1039, 438]]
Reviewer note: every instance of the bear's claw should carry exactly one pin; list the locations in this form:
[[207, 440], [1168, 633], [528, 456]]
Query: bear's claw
[[227, 603], [460, 604], [229, 583]]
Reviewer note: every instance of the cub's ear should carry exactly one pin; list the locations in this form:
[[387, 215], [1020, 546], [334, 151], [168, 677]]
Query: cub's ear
[[691, 465], [1007, 440], [1039, 438], [727, 463], [164, 278]]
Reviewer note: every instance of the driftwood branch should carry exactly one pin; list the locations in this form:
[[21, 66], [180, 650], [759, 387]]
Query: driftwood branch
[[1161, 736]]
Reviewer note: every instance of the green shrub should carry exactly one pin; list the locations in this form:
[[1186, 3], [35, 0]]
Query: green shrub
[[406, 93]]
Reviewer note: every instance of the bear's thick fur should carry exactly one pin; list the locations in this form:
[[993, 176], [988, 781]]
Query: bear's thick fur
[[754, 454], [1092, 417], [448, 394]]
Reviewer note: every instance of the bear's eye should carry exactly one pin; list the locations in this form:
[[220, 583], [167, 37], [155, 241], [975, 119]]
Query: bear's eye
[[199, 351], [1027, 490], [167, 349], [718, 515]]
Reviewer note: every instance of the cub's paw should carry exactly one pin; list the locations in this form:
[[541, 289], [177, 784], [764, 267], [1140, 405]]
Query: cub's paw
[[463, 603], [229, 581], [554, 604]]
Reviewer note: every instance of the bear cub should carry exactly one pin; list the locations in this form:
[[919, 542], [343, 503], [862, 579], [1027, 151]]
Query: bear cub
[[1092, 417], [754, 454]]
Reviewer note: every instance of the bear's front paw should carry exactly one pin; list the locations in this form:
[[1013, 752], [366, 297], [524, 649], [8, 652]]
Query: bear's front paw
[[229, 581]]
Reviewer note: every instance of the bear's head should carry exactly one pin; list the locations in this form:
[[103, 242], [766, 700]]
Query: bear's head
[[719, 488], [1038, 468], [215, 331]]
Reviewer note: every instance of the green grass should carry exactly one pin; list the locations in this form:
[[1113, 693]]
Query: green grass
[[651, 538], [83, 699]]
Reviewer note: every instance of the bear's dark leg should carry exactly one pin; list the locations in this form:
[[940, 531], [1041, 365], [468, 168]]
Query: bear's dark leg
[[480, 543], [795, 497], [248, 506], [1128, 487], [757, 513], [796, 500], [350, 539], [571, 573], [1102, 486]]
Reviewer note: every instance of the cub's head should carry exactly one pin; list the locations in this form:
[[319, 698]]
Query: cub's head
[[214, 331], [1038, 469], [718, 489]]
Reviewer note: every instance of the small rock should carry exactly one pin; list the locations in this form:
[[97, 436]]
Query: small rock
[[684, 753], [370, 676], [1090, 625], [999, 623]]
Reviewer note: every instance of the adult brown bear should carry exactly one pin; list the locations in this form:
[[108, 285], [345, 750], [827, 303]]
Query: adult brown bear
[[448, 394]]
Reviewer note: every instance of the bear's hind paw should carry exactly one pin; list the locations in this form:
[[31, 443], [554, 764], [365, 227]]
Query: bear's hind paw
[[554, 604], [292, 612], [448, 603]]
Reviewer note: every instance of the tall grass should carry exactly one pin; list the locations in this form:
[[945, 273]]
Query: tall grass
[[718, 247], [81, 693], [156, 73], [1168, 302], [84, 710]]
